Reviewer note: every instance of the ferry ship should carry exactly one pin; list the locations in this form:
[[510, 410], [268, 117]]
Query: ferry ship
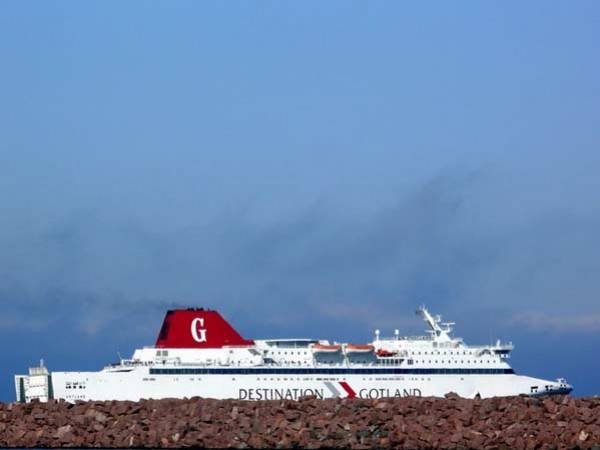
[[198, 353]]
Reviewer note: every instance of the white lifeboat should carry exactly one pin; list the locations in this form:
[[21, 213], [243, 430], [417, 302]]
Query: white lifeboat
[[326, 349], [353, 349]]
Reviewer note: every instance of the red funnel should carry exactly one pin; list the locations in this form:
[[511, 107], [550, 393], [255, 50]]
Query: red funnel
[[197, 328]]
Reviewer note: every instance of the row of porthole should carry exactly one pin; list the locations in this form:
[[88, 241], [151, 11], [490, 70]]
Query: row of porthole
[[450, 361], [279, 352], [441, 353]]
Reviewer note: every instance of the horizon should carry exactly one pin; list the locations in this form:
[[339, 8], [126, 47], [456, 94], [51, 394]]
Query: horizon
[[306, 169]]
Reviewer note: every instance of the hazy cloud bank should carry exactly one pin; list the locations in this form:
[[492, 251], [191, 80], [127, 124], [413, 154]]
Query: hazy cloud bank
[[435, 246], [539, 321]]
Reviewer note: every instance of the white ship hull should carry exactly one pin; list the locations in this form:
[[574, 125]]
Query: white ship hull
[[139, 384]]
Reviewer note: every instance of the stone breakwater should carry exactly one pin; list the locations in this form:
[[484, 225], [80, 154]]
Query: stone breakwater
[[404, 423]]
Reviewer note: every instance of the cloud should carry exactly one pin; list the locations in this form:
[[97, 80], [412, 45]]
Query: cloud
[[23, 323], [436, 244], [588, 323]]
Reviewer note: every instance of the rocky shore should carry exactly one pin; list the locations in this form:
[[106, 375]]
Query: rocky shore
[[405, 423]]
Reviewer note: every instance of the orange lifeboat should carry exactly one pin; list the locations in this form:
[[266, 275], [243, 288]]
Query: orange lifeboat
[[382, 353], [359, 349], [326, 349]]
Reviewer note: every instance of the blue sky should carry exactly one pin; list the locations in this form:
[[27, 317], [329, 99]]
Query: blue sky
[[309, 169]]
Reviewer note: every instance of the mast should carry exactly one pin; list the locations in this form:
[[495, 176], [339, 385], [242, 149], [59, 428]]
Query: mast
[[439, 330]]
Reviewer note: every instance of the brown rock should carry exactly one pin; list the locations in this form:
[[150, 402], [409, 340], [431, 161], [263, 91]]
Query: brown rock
[[583, 436], [62, 431], [296, 426], [100, 417], [500, 423]]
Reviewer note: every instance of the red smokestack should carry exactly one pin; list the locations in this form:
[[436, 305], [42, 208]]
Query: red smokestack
[[197, 328]]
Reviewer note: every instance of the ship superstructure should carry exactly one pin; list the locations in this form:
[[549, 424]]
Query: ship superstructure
[[198, 353]]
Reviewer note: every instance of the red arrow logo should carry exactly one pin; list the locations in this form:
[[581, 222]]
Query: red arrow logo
[[348, 389]]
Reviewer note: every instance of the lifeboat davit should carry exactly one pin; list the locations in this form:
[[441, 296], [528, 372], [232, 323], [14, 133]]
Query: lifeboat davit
[[326, 349], [382, 353], [359, 349]]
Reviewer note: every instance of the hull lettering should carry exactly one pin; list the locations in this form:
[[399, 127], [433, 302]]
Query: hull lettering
[[278, 394], [385, 392]]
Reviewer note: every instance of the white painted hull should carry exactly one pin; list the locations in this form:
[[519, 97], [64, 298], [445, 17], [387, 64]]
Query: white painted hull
[[139, 384]]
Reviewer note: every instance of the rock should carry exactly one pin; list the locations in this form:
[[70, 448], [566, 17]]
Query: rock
[[583, 436], [100, 417], [417, 423], [62, 431], [296, 426]]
